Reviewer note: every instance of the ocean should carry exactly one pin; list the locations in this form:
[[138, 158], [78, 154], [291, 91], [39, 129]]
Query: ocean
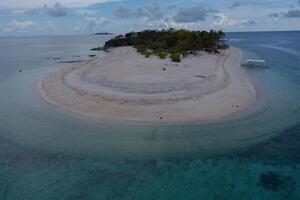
[[46, 153]]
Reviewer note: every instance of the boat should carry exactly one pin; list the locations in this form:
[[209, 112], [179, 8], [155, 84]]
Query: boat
[[254, 63]]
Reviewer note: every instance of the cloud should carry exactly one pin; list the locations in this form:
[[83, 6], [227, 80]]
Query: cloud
[[153, 12], [240, 3], [193, 14], [236, 4], [96, 21], [167, 23], [47, 27], [288, 14], [90, 22], [57, 10], [149, 12], [17, 12], [171, 7], [221, 21], [22, 4], [122, 12], [292, 14], [19, 26], [275, 15], [162, 24], [248, 22]]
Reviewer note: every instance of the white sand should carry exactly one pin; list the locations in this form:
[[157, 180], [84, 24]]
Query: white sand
[[124, 85]]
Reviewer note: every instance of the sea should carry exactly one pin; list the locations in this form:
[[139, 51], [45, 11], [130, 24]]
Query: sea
[[46, 153]]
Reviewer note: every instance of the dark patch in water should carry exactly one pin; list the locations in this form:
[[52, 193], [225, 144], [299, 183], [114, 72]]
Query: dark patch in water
[[200, 76], [256, 114], [283, 148], [274, 181], [18, 155], [295, 112], [70, 61], [54, 58]]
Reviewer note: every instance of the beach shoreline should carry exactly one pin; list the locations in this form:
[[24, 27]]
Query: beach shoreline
[[125, 86]]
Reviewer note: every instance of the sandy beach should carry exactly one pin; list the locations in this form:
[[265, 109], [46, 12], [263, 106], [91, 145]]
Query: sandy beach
[[124, 85]]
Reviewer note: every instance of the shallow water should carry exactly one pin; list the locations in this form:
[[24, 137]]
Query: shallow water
[[49, 154]]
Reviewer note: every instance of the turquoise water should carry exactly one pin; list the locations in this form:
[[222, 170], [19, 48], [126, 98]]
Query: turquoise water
[[49, 154]]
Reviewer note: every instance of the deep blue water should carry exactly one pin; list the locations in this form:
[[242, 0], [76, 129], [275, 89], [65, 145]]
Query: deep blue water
[[48, 154]]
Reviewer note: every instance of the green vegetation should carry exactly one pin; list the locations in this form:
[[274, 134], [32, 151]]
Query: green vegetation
[[141, 48], [147, 53], [160, 53], [176, 43], [175, 57]]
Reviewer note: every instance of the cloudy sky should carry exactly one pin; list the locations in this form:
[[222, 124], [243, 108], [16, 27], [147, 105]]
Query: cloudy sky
[[64, 17]]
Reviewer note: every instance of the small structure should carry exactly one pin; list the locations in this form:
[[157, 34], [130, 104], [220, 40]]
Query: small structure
[[255, 63]]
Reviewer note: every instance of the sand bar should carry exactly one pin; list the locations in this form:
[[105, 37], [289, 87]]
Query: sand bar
[[124, 85]]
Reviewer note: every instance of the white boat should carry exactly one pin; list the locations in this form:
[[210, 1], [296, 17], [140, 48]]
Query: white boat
[[255, 63]]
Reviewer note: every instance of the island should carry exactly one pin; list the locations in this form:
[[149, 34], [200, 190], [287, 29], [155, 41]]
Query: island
[[170, 43], [102, 33], [97, 49], [167, 76]]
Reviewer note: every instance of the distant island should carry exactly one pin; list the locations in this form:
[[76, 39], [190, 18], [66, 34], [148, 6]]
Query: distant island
[[103, 33], [97, 49], [172, 43]]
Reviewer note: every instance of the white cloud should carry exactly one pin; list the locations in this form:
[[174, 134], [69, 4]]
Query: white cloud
[[192, 14], [220, 21], [90, 22], [167, 23], [38, 3], [18, 12], [47, 27], [19, 26], [57, 10], [150, 12]]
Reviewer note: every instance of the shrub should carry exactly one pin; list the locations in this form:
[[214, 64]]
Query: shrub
[[157, 51], [147, 53], [162, 55], [157, 45], [141, 48], [175, 57]]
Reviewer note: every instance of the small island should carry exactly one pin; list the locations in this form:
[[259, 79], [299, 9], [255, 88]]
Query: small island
[[170, 43], [167, 76], [103, 33]]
